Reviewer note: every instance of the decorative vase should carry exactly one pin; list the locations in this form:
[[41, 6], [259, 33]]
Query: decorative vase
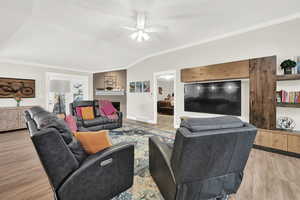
[[288, 70]]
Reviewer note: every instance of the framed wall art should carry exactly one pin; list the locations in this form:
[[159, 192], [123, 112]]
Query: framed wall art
[[138, 87], [132, 87], [11, 87], [146, 86]]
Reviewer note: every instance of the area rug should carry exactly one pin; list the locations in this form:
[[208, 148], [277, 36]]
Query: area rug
[[144, 188]]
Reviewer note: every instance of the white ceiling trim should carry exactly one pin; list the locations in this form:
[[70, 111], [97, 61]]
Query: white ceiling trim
[[227, 35], [110, 70], [34, 64]]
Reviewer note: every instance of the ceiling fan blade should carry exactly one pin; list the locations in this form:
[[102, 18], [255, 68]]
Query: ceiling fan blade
[[155, 29], [129, 28], [141, 20], [134, 35]]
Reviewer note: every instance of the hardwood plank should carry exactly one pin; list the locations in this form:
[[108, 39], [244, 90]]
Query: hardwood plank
[[263, 92], [266, 175], [225, 71]]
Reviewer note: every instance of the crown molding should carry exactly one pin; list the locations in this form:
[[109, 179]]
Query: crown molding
[[223, 36], [34, 64], [110, 70]]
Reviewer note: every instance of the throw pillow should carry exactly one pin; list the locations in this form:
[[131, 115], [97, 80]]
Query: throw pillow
[[71, 122], [87, 113], [78, 112], [93, 142], [109, 109]]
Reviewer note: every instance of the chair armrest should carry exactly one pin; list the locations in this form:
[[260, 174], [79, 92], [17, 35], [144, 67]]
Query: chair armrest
[[79, 122], [160, 167], [101, 175]]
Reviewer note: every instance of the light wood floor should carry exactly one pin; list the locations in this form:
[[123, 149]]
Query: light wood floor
[[268, 176]]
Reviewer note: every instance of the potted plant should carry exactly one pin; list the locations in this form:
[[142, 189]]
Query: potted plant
[[18, 99], [287, 66]]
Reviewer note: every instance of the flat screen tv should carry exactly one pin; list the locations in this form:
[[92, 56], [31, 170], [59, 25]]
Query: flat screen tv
[[217, 98]]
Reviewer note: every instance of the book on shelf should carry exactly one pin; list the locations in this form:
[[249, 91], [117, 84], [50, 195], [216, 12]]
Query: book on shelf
[[283, 96]]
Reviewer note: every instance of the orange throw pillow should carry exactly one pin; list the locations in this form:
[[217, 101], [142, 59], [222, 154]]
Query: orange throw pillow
[[93, 142], [87, 113]]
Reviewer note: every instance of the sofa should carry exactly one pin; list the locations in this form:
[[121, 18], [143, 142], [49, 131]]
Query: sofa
[[73, 174], [100, 122], [165, 107], [206, 161]]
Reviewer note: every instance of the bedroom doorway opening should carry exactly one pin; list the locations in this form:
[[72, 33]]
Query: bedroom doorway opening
[[165, 86]]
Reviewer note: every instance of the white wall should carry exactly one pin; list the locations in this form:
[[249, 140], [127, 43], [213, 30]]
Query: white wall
[[282, 40], [37, 73], [167, 88]]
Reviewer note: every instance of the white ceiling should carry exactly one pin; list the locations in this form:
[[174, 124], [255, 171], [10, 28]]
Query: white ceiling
[[85, 35]]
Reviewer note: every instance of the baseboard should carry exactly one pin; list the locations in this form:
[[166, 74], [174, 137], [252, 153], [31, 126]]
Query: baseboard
[[286, 153], [140, 119]]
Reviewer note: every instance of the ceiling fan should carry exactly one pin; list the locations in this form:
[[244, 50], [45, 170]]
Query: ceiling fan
[[141, 31]]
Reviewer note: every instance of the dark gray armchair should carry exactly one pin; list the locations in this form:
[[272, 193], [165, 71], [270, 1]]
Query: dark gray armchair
[[73, 174], [206, 161]]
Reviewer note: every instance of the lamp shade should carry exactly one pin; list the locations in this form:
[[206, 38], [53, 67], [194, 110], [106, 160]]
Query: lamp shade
[[60, 86]]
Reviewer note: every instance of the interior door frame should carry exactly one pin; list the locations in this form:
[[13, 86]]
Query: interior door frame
[[155, 91]]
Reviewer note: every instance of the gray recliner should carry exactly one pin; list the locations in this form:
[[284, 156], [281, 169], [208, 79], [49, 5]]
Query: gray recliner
[[100, 122], [72, 173], [205, 162]]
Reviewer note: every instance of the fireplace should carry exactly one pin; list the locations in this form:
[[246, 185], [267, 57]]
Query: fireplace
[[116, 105]]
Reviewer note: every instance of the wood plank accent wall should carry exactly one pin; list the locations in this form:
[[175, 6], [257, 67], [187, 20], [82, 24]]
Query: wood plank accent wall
[[225, 71], [263, 92]]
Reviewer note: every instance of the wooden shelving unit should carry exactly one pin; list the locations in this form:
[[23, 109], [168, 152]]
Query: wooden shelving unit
[[288, 77], [290, 105]]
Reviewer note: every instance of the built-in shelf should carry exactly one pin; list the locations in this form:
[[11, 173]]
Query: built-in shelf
[[288, 77], [291, 105], [109, 93]]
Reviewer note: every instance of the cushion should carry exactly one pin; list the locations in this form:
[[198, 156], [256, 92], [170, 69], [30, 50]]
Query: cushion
[[71, 122], [87, 113], [97, 121], [77, 150], [113, 116], [78, 112], [205, 124], [93, 142], [43, 119], [60, 126], [107, 108]]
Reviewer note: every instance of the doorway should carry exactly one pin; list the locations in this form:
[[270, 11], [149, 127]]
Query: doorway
[[164, 99]]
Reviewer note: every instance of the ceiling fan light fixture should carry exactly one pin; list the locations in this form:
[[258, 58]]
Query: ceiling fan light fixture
[[146, 36], [140, 36], [134, 35]]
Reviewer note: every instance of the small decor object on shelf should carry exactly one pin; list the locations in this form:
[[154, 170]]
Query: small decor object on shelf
[[286, 123], [18, 99], [288, 66]]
